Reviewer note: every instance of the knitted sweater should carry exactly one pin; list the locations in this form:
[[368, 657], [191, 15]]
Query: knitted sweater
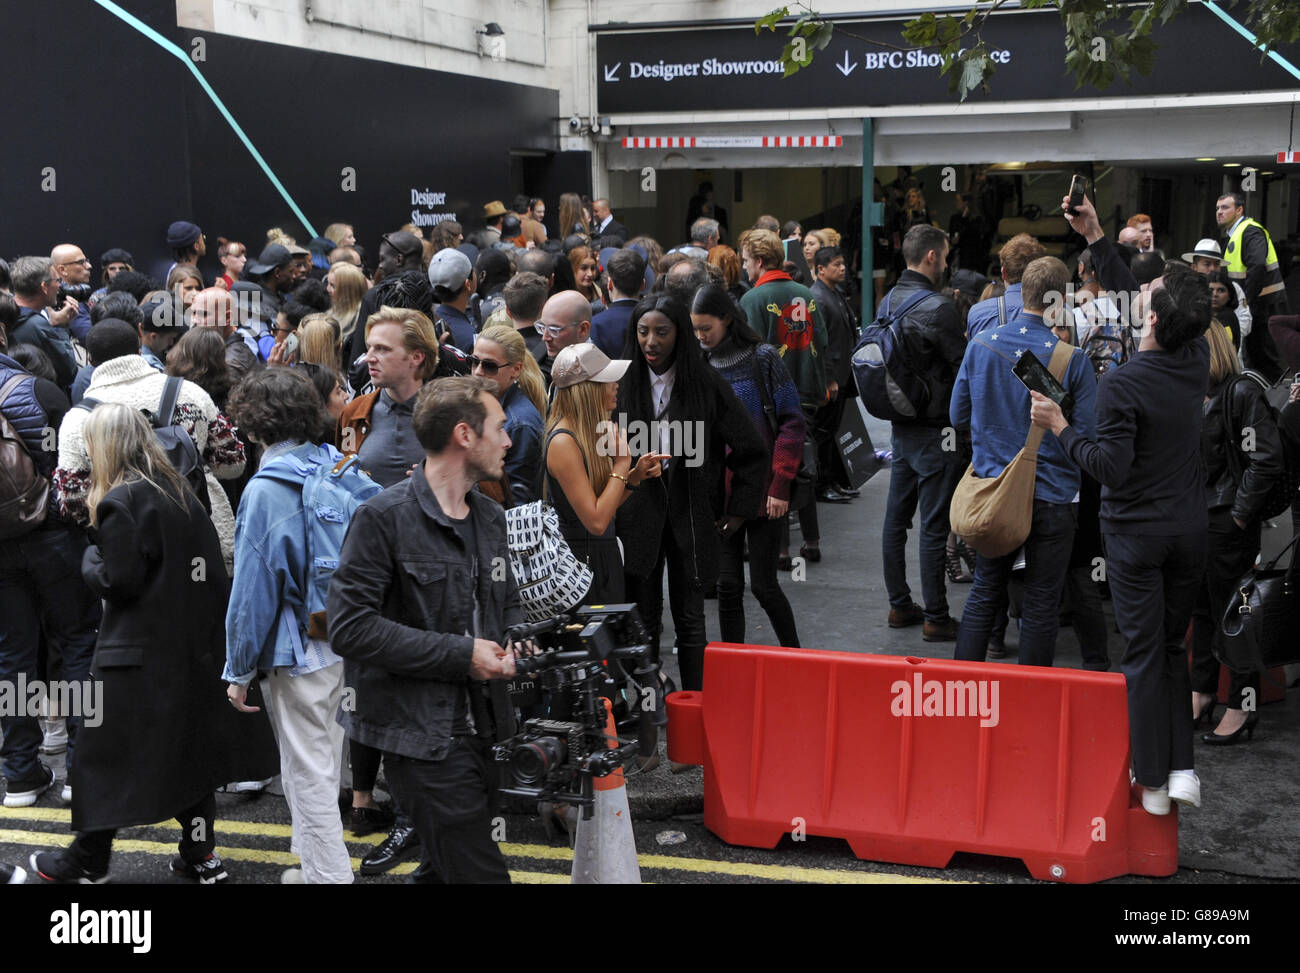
[[130, 380], [785, 315], [735, 363]]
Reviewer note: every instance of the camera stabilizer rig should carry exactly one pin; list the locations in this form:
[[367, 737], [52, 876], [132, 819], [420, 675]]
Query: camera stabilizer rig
[[556, 758]]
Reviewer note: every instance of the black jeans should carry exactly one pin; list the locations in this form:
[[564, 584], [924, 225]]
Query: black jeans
[[1047, 552], [764, 538], [686, 600], [91, 849], [1153, 585], [1087, 617], [449, 801], [42, 600], [1231, 553]]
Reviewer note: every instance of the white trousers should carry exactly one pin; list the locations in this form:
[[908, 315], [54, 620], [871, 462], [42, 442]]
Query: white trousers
[[302, 710]]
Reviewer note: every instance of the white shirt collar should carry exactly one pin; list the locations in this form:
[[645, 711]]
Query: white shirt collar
[[1235, 222]]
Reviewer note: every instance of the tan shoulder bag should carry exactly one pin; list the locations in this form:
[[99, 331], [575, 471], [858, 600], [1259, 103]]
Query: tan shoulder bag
[[994, 515]]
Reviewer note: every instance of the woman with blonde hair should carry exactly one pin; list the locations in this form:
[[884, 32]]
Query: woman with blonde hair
[[827, 236], [589, 470], [233, 256], [501, 356], [571, 217], [163, 722], [185, 281], [1237, 484], [318, 340], [340, 234], [346, 285]]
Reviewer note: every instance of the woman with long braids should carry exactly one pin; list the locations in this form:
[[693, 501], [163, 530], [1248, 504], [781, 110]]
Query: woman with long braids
[[671, 401]]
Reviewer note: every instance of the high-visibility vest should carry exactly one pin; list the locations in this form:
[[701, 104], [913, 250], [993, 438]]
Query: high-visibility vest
[[1236, 267]]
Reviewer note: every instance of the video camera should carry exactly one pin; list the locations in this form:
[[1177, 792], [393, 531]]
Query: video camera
[[78, 292], [556, 757]]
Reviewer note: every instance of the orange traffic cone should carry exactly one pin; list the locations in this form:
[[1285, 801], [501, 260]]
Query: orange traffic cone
[[605, 850]]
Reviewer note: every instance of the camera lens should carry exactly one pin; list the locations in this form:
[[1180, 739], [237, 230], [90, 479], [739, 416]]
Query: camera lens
[[535, 759]]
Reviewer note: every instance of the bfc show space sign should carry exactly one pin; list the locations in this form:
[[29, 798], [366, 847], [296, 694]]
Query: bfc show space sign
[[867, 64]]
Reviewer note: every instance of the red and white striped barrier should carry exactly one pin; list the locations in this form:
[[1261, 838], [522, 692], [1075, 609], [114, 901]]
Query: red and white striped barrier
[[734, 142], [1288, 157]]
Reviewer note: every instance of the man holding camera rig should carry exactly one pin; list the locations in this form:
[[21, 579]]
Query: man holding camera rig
[[422, 597]]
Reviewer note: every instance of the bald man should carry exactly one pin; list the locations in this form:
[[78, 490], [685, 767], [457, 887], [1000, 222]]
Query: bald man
[[215, 308], [1130, 236], [565, 320], [73, 270]]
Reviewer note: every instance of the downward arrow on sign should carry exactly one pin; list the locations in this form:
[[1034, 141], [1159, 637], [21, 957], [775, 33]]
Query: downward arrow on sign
[[611, 74], [846, 68]]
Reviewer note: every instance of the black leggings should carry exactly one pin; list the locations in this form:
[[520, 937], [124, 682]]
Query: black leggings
[[764, 539]]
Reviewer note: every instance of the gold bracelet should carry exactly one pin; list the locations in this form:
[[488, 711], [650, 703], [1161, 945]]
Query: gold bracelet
[[626, 482]]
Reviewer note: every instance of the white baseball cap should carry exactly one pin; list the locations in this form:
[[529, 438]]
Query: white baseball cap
[[584, 362]]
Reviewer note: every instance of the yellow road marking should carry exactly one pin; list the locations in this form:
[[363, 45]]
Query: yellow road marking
[[786, 873], [51, 839]]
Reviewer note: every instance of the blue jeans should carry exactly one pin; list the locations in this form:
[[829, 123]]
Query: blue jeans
[[923, 474], [1047, 558], [42, 599]]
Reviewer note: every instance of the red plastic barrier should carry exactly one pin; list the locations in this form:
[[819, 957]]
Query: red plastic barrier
[[912, 760]]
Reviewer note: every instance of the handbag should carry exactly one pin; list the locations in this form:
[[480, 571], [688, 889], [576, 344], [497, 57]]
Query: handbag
[[549, 576], [805, 478], [995, 514], [1259, 624]]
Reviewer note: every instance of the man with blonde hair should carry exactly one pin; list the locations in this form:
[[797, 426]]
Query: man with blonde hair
[[1016, 254], [401, 355]]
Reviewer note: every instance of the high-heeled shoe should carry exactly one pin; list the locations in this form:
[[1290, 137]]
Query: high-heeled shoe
[[1205, 718], [1248, 728]]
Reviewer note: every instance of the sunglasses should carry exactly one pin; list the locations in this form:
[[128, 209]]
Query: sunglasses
[[489, 366]]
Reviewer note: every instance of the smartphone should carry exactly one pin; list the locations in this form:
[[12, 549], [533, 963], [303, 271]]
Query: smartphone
[[1033, 374], [1077, 186], [291, 348]]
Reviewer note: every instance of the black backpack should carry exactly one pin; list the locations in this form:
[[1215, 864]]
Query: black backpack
[[174, 439], [888, 381]]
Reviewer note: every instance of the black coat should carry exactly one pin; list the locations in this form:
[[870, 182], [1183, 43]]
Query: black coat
[[695, 497], [165, 733]]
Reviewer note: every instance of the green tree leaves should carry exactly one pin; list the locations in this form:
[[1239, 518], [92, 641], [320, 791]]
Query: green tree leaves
[[1105, 41]]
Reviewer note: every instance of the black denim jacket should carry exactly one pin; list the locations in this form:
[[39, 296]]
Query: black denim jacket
[[400, 603]]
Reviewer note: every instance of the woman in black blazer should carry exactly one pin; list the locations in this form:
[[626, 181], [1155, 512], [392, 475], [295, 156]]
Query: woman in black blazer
[[678, 520], [160, 743]]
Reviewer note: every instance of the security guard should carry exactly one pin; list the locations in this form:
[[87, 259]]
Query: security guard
[[1251, 261]]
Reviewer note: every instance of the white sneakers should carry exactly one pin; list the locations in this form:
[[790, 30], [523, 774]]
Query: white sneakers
[[1183, 786], [1155, 800]]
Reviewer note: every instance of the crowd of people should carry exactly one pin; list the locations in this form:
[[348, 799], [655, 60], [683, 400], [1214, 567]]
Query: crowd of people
[[290, 478]]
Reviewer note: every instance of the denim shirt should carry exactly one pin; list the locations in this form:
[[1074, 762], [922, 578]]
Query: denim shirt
[[984, 315], [526, 430], [270, 583], [994, 403]]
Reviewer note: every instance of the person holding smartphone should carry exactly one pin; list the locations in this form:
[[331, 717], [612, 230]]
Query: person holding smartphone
[[998, 417], [1154, 517], [671, 395]]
